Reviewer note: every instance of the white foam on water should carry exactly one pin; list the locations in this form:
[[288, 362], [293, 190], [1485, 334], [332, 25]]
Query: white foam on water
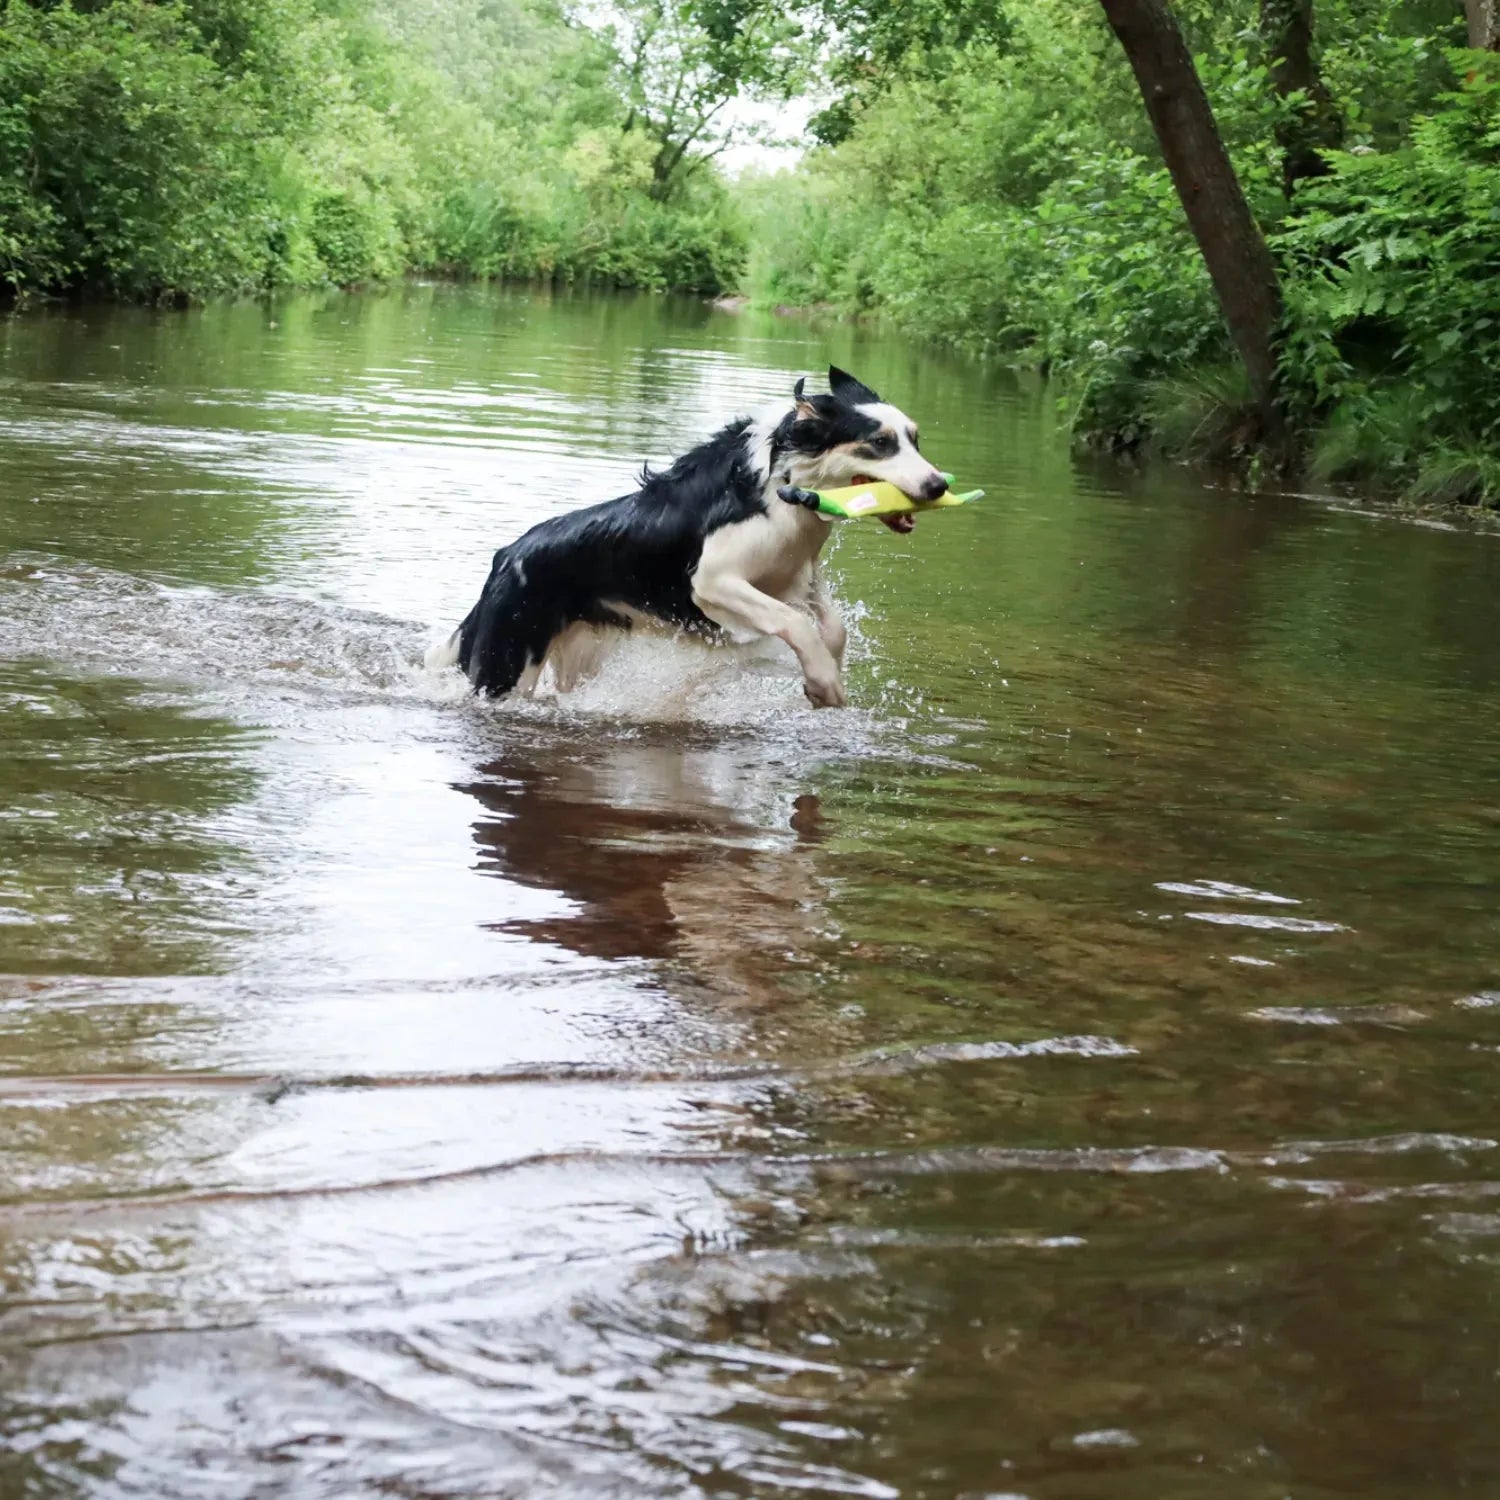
[[1483, 1000], [1224, 890], [1338, 1015], [662, 678], [1260, 920], [1106, 1437]]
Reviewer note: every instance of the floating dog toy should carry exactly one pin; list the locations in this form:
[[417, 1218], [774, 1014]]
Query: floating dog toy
[[854, 502]]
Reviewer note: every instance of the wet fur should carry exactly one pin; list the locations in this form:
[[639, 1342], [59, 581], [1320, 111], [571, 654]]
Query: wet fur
[[702, 546]]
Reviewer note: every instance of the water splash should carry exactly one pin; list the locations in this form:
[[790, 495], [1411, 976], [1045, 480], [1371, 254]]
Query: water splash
[[247, 646]]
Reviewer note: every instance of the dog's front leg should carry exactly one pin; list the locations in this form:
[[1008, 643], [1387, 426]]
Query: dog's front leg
[[734, 602], [830, 622]]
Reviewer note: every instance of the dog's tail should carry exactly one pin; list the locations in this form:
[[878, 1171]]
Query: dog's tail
[[507, 631]]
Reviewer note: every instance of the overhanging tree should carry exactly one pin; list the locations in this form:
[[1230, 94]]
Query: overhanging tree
[[1312, 124], [1234, 250]]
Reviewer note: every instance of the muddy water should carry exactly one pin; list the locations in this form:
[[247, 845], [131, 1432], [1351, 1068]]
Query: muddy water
[[1068, 1073]]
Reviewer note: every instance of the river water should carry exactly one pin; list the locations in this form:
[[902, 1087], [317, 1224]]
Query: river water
[[1068, 1073]]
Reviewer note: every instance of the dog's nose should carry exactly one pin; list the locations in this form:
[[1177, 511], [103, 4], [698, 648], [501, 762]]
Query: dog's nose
[[934, 487]]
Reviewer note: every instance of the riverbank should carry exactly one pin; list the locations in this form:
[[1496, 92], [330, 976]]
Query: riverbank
[[1201, 419], [1011, 202]]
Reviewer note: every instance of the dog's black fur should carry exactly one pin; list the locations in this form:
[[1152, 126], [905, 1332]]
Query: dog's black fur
[[641, 549]]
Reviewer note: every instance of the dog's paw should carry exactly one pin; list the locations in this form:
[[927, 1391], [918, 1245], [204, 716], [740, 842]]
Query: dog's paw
[[824, 692]]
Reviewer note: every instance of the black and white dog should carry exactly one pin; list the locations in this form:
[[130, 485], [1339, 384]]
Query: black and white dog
[[704, 546]]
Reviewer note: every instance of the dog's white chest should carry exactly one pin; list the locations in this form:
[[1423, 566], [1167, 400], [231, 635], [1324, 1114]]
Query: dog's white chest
[[775, 551]]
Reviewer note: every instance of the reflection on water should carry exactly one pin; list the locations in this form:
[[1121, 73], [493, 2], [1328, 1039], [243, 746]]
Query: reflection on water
[[655, 849], [1066, 1074]]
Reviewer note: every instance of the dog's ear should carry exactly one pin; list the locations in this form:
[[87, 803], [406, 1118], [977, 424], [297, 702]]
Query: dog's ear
[[805, 410], [849, 390]]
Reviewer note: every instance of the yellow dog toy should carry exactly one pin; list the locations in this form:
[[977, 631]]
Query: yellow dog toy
[[856, 501]]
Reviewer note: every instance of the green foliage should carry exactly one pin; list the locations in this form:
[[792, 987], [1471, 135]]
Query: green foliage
[[1001, 191], [989, 179], [129, 162], [681, 62], [188, 148], [1013, 211], [353, 237], [881, 43], [1205, 409], [1395, 287], [1462, 473]]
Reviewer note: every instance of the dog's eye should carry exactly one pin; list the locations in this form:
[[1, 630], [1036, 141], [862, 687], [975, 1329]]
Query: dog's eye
[[911, 432], [882, 445]]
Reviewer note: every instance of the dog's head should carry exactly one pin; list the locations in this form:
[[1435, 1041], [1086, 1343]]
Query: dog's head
[[851, 436]]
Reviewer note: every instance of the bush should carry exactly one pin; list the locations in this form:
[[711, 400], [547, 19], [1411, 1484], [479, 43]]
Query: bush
[[1005, 212], [192, 147], [130, 163], [354, 239], [1393, 268]]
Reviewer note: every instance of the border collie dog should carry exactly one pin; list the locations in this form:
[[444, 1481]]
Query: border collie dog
[[705, 546]]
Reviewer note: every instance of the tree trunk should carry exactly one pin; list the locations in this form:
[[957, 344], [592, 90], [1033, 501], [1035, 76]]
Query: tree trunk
[[1234, 250], [1286, 29], [1484, 24]]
